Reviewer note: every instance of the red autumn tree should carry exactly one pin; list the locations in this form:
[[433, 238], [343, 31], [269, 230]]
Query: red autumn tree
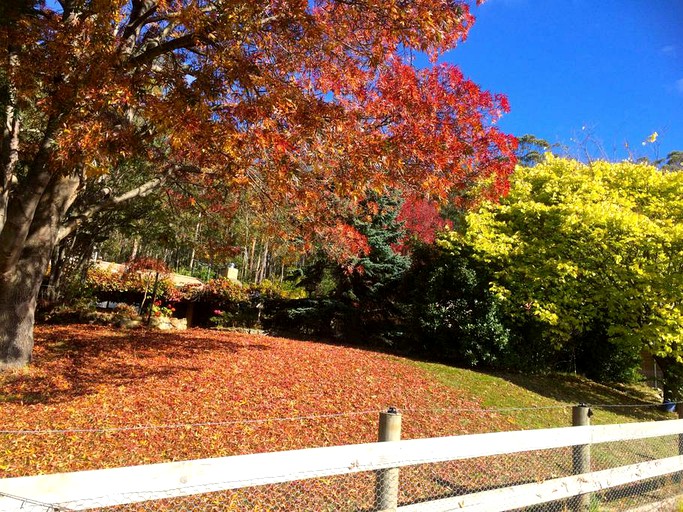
[[422, 220], [310, 103]]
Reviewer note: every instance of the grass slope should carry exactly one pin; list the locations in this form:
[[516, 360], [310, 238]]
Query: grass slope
[[208, 393], [538, 401]]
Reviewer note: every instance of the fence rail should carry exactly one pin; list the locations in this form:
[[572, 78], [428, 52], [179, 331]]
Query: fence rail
[[86, 490], [527, 495]]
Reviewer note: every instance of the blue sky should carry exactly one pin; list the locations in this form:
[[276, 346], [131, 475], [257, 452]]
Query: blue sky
[[607, 70]]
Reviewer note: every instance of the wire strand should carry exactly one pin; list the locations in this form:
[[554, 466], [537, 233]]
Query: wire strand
[[182, 425], [408, 410]]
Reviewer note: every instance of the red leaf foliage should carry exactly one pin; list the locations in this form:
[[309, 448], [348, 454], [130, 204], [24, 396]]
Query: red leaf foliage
[[422, 219], [87, 377], [147, 264]]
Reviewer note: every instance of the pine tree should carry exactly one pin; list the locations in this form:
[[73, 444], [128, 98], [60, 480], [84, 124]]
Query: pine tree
[[370, 276]]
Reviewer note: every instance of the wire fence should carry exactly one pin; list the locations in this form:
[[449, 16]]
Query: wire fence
[[418, 485]]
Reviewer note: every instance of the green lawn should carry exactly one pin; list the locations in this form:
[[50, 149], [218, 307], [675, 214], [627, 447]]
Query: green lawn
[[532, 401], [536, 401]]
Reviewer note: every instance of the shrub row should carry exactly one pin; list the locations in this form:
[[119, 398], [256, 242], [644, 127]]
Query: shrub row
[[442, 309]]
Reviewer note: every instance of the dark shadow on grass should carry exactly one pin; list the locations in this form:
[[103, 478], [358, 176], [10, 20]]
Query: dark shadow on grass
[[87, 357], [576, 390], [647, 492], [652, 490]]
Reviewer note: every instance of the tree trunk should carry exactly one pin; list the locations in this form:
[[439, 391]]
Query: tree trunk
[[154, 296], [9, 140], [672, 380], [57, 264], [252, 259], [18, 296], [244, 271], [136, 246], [21, 277], [264, 263], [195, 241]]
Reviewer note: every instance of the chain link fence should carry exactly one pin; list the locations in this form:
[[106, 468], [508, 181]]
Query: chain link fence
[[431, 486]]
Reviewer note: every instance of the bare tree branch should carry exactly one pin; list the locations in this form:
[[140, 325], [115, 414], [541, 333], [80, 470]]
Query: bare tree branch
[[75, 221], [186, 41], [141, 11], [110, 203]]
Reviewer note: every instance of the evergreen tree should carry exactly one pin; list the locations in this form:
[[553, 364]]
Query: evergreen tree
[[370, 276], [356, 298]]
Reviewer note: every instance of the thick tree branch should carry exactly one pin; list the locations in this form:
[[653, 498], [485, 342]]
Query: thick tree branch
[[141, 11], [141, 14], [9, 143], [22, 206], [186, 41], [75, 221], [144, 190]]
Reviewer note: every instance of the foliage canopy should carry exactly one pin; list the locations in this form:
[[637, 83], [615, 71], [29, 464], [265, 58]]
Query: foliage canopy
[[574, 246], [310, 104]]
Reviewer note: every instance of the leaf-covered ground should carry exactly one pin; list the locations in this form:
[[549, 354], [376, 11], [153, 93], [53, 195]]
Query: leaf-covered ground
[[262, 390]]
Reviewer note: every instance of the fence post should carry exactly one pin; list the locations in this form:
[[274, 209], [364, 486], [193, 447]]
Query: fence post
[[581, 455], [386, 487], [678, 477], [679, 410]]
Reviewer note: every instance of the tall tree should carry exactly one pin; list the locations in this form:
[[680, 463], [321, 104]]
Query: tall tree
[[576, 246], [531, 150], [363, 282], [673, 162], [308, 102], [369, 276]]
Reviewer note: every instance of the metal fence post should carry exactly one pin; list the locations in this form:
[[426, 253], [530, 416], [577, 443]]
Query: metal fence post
[[386, 488], [678, 477], [581, 455]]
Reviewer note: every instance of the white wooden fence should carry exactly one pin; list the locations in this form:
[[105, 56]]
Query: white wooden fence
[[108, 487]]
